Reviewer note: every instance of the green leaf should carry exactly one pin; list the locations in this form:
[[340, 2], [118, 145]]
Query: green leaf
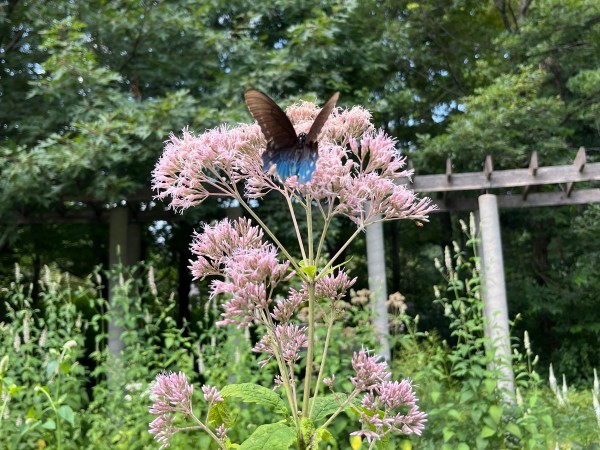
[[49, 424], [52, 368], [547, 419], [448, 434], [489, 422], [514, 429], [324, 435], [307, 428], [487, 432], [66, 413], [253, 393], [476, 415], [220, 414], [481, 443], [454, 414], [324, 407], [495, 413], [310, 271], [275, 436], [332, 269], [489, 385]]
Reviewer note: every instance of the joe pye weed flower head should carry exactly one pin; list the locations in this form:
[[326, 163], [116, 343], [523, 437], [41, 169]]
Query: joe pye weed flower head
[[356, 176]]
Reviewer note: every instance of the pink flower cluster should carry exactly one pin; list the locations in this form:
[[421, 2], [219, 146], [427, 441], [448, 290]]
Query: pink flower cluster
[[236, 250], [288, 338], [357, 173], [171, 393], [369, 371], [382, 400], [381, 418], [334, 287], [251, 270]]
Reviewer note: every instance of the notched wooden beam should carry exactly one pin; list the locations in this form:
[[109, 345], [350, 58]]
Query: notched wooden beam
[[533, 167], [488, 167], [579, 163]]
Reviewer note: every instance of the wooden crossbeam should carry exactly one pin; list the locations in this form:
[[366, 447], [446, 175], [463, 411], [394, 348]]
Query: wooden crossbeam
[[579, 163], [533, 167], [580, 170], [488, 168], [535, 199], [475, 181]]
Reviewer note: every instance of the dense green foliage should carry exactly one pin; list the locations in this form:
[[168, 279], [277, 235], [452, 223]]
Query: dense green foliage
[[61, 389], [89, 90]]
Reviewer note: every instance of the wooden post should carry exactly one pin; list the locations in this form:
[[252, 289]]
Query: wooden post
[[118, 253], [495, 307], [378, 287]]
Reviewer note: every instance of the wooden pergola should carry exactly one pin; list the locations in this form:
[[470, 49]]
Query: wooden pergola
[[486, 206]]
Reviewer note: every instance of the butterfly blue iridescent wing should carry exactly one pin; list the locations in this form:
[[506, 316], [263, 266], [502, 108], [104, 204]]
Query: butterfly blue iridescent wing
[[291, 154]]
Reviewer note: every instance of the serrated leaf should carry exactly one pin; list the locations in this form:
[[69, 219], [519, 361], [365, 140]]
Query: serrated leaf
[[66, 413], [275, 436], [324, 407], [219, 414], [253, 393], [324, 434]]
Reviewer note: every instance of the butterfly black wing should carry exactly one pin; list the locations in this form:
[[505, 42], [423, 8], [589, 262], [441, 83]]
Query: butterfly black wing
[[273, 122], [285, 150], [322, 117]]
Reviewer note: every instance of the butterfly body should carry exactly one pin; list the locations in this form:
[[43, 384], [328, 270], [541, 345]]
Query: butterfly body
[[289, 153]]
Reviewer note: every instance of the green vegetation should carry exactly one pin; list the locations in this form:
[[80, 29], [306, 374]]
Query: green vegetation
[[54, 350], [89, 92]]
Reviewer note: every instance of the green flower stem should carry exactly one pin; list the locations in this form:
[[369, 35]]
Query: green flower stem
[[3, 405], [289, 390], [267, 230], [323, 235], [311, 312], [206, 429], [351, 397], [322, 366], [311, 345], [53, 406], [372, 446], [285, 375], [296, 228], [323, 271], [309, 225]]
